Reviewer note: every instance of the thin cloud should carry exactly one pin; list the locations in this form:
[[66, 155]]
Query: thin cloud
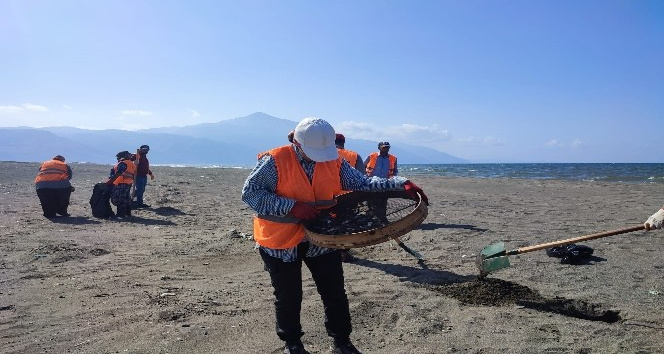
[[554, 142], [136, 112], [404, 132], [577, 143], [10, 109], [194, 113], [34, 107], [66, 106], [24, 107]]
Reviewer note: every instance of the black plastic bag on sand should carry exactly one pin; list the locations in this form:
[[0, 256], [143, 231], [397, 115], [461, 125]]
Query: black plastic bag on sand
[[570, 254]]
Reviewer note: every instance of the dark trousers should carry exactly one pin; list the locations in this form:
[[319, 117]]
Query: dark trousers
[[54, 200], [327, 272], [141, 182]]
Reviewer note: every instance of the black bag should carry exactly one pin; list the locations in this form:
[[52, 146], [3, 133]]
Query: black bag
[[100, 202], [570, 254]]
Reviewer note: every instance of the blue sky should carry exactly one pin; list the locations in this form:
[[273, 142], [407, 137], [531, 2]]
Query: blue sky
[[488, 81]]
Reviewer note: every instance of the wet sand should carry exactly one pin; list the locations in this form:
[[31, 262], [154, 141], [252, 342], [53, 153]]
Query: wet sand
[[183, 275]]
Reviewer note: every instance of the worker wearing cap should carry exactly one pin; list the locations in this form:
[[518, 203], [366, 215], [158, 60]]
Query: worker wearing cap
[[382, 163], [290, 184], [351, 156], [122, 178], [54, 187], [142, 173]]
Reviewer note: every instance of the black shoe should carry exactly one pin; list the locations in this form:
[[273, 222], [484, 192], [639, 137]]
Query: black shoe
[[294, 348], [347, 348]]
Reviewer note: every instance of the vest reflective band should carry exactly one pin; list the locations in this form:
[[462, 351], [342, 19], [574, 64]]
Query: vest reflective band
[[350, 156], [372, 164], [127, 177], [292, 182], [53, 170]]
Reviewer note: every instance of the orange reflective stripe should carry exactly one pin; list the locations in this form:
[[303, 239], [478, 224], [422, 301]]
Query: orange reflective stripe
[[293, 183]]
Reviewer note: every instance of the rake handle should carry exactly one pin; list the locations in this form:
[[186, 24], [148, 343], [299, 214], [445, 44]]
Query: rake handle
[[410, 251], [577, 239]]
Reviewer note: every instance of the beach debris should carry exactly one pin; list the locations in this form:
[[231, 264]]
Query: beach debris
[[570, 254]]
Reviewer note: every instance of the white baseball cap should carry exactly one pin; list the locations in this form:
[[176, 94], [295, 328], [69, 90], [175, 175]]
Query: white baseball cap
[[316, 137]]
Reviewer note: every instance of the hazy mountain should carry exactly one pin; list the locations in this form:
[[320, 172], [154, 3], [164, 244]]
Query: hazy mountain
[[264, 132], [233, 142]]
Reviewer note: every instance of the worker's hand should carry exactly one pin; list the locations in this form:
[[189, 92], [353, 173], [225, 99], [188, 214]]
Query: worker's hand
[[304, 211], [151, 177], [655, 220], [413, 190]]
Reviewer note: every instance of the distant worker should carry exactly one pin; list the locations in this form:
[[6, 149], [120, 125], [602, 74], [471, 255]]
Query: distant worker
[[122, 178], [54, 187], [354, 160], [655, 220], [351, 156], [382, 164], [142, 173]]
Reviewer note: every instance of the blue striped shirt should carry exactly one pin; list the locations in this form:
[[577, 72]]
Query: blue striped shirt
[[259, 192]]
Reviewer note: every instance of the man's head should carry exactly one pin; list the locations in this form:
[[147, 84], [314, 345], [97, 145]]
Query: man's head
[[59, 158], [123, 155], [315, 137], [144, 149], [384, 147], [340, 141]]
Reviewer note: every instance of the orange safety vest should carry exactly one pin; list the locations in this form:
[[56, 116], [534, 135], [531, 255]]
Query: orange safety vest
[[350, 156], [52, 170], [127, 177], [286, 232], [372, 163]]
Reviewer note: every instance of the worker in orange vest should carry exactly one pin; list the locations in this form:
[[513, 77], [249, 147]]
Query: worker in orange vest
[[289, 185], [351, 156], [382, 163], [122, 178], [356, 161], [54, 187]]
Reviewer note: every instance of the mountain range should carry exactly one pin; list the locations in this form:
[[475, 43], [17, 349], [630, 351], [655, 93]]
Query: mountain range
[[233, 142]]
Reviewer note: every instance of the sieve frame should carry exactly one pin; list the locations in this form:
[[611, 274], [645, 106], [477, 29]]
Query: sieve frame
[[373, 236]]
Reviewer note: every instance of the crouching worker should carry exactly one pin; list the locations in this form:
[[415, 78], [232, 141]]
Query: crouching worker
[[122, 177], [53, 186], [288, 185]]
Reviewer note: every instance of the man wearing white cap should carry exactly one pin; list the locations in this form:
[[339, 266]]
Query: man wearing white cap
[[288, 185]]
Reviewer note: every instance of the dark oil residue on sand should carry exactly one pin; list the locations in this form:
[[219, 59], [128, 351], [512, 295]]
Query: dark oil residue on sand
[[496, 292]]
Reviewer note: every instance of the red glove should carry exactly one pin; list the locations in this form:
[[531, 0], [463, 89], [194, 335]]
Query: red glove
[[414, 190], [304, 211]]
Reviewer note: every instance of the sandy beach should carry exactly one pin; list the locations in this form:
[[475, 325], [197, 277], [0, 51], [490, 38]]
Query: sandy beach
[[183, 276]]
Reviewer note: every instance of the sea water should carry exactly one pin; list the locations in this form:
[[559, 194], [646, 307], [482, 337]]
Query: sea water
[[598, 172]]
